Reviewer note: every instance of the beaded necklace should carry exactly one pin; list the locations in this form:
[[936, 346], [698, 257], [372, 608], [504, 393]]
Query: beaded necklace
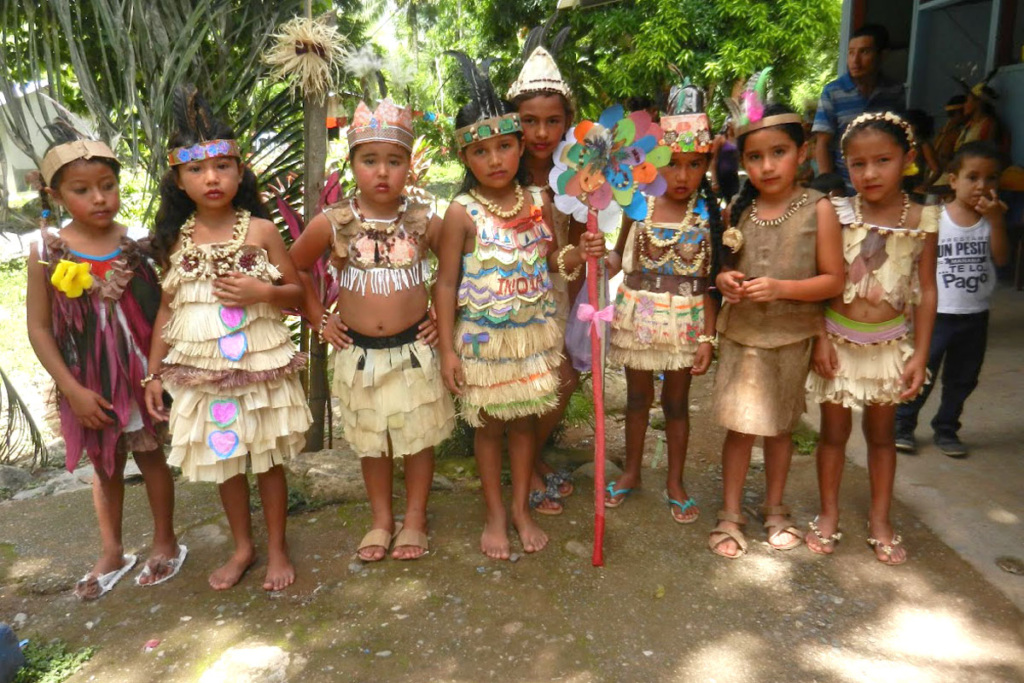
[[218, 250], [794, 206], [391, 222], [691, 261], [496, 210], [858, 215]]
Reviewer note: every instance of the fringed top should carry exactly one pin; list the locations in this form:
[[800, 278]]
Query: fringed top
[[505, 278], [104, 338], [385, 255], [682, 249], [213, 344], [881, 262]]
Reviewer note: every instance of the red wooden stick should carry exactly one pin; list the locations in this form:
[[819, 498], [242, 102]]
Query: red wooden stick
[[595, 275]]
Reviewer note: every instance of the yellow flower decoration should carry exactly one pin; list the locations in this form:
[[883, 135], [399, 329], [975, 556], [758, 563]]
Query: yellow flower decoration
[[72, 278], [912, 169]]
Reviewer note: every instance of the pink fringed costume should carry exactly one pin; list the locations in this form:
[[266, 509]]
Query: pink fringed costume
[[104, 336], [233, 372]]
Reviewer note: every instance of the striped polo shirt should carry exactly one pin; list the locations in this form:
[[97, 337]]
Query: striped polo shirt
[[841, 102]]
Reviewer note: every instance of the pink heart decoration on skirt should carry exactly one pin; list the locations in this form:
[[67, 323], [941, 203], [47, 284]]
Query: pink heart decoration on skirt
[[223, 443], [233, 346], [224, 412], [233, 317]]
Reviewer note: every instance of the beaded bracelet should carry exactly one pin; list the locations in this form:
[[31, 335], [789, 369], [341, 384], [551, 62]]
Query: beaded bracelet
[[149, 378], [708, 339], [560, 260], [323, 326]]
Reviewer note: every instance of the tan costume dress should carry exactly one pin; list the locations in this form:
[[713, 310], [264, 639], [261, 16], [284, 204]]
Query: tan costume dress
[[233, 372], [389, 389], [765, 347]]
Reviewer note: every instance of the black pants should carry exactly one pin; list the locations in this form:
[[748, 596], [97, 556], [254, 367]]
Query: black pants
[[961, 341]]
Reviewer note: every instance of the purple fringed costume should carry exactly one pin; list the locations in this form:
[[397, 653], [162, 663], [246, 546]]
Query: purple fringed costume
[[104, 338]]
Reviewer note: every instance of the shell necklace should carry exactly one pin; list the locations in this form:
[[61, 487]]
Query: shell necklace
[[794, 206], [858, 215], [496, 210]]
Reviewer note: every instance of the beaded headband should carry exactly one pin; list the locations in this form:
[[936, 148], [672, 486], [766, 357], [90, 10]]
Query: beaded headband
[[389, 123], [488, 128], [887, 116], [203, 150], [64, 154]]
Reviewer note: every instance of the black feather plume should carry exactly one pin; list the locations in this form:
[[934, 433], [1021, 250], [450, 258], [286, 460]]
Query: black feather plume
[[481, 90], [534, 39], [61, 131], [192, 114], [559, 42]]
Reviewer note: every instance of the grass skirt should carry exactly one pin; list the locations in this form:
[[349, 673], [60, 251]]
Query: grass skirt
[[655, 331], [761, 391]]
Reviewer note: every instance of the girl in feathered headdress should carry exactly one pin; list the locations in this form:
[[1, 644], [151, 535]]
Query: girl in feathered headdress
[[500, 340], [386, 374], [224, 353], [92, 298]]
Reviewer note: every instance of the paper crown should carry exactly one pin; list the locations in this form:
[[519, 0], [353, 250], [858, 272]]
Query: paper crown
[[748, 110], [62, 155], [539, 74], [389, 123], [687, 132]]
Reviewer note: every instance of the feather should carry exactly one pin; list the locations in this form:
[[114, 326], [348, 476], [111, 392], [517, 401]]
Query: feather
[[179, 107], [761, 84], [481, 90], [363, 63], [559, 42], [533, 40], [62, 131]]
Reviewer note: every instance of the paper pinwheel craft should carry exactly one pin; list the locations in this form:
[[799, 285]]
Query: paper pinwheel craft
[[611, 166]]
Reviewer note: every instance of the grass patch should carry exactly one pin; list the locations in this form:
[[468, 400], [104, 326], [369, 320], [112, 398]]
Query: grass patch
[[805, 439], [51, 663], [16, 355]]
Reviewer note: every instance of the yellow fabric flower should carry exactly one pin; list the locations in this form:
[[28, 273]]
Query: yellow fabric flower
[[72, 278]]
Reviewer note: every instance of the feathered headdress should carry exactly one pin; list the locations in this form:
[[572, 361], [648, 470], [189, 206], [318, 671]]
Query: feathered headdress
[[981, 90], [365, 64], [748, 110], [540, 73], [686, 126], [494, 119], [71, 145], [194, 119]]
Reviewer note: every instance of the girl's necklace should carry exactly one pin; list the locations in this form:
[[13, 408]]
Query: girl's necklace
[[218, 250], [689, 221], [858, 215], [775, 222], [392, 222], [495, 209]]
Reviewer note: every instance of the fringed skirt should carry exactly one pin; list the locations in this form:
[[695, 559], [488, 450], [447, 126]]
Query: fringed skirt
[[511, 371], [390, 390], [655, 331], [871, 358], [761, 391]]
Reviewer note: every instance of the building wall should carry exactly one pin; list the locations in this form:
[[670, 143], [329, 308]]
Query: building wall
[[38, 110]]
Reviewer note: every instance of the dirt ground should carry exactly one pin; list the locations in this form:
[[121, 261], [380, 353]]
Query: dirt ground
[[663, 608]]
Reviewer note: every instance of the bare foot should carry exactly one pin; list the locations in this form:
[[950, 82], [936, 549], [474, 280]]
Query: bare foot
[[280, 571], [158, 563], [231, 572], [824, 535], [532, 536], [494, 540], [724, 544], [887, 544], [677, 493], [413, 522]]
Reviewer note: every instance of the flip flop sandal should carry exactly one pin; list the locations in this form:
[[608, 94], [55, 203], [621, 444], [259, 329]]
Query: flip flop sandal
[[560, 480], [105, 581], [413, 539], [825, 541], [174, 564], [610, 502], [538, 498], [726, 534], [683, 507], [378, 538], [887, 549], [774, 529]]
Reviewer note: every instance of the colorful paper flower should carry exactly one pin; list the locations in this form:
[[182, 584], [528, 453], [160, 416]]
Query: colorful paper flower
[[610, 165], [72, 278]]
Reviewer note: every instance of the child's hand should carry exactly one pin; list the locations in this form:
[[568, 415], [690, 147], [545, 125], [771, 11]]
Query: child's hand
[[730, 284], [824, 360], [334, 332], [914, 374], [155, 400], [89, 407], [236, 289], [591, 245], [428, 329], [702, 361], [613, 263], [452, 373], [991, 206], [762, 289]]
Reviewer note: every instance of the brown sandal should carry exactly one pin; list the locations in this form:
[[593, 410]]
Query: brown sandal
[[774, 529], [414, 539], [378, 538], [726, 534]]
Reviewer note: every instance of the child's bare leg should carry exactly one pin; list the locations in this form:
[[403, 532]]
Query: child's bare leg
[[778, 453], [274, 496], [878, 432], [639, 399], [675, 402], [735, 463], [836, 423], [108, 500], [522, 438], [160, 492], [568, 381], [419, 475], [234, 496], [377, 476], [487, 449]]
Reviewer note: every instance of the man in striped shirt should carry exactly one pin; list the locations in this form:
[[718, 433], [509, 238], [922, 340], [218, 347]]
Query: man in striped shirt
[[862, 88]]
